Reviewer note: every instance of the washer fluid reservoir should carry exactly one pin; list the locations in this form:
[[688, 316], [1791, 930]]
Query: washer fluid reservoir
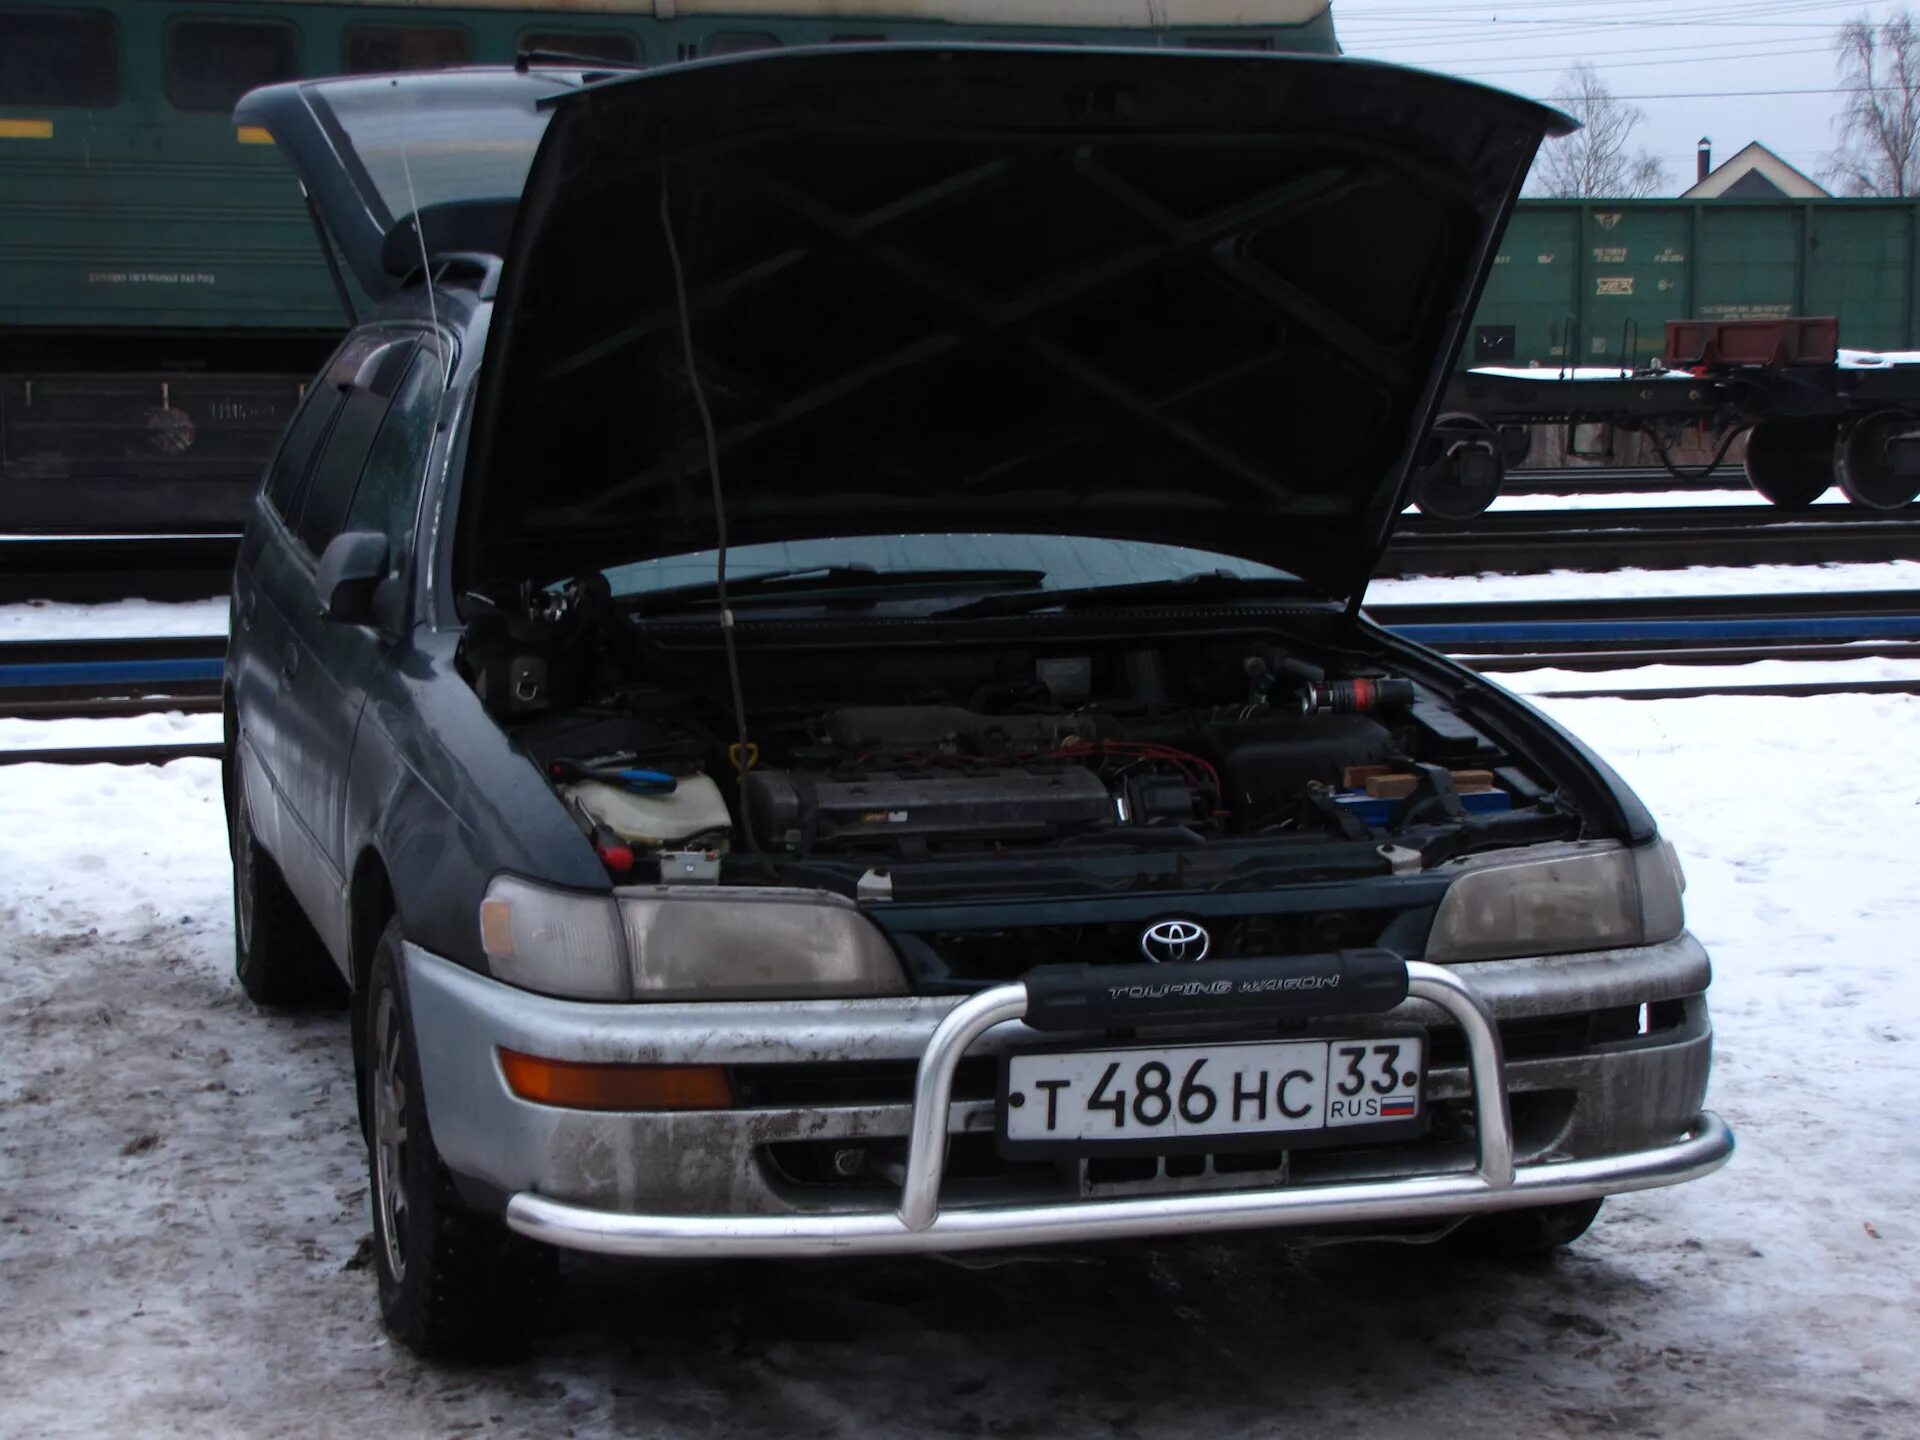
[[694, 811]]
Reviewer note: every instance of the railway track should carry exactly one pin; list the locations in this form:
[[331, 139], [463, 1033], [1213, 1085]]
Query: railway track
[[1514, 542], [1618, 480], [1519, 542], [59, 679], [92, 568]]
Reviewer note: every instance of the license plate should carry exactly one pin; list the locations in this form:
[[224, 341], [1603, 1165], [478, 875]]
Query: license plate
[[1186, 1097]]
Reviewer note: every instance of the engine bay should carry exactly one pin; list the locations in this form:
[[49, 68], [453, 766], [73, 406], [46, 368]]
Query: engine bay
[[901, 745]]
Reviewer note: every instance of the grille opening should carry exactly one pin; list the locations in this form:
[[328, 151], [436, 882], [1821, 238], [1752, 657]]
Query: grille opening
[[992, 955], [977, 1170], [1121, 1169], [879, 1162], [1248, 1161], [1545, 1036], [853, 1082]]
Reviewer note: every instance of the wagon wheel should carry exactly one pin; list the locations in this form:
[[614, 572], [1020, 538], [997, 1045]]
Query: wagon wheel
[[1790, 462], [1867, 467], [1462, 468]]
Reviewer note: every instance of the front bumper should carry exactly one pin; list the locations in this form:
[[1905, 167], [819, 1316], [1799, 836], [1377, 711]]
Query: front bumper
[[688, 1183]]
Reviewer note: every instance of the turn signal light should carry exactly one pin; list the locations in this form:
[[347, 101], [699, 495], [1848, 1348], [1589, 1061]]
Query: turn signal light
[[575, 1085]]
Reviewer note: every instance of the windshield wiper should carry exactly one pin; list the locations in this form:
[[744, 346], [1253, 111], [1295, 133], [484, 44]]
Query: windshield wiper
[[1202, 585], [838, 583]]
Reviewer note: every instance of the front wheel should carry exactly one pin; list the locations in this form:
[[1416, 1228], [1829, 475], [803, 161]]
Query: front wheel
[[454, 1284]]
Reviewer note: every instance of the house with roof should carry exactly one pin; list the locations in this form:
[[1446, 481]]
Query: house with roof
[[1756, 173]]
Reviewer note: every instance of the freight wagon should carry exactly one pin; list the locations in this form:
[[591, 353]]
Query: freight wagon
[[162, 294], [1594, 282], [1595, 307]]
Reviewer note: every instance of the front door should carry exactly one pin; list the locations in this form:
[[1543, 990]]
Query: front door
[[320, 663]]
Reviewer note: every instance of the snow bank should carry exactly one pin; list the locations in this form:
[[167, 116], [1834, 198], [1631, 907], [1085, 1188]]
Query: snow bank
[[183, 1208], [169, 728], [1626, 584], [63, 619]]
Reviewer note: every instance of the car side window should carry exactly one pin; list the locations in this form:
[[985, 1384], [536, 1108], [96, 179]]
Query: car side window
[[307, 431], [304, 434], [321, 509], [389, 490]]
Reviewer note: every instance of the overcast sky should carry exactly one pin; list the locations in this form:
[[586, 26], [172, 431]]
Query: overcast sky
[[1684, 62]]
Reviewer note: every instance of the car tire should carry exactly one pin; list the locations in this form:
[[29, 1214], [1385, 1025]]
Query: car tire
[[1529, 1234], [277, 957], [455, 1284]]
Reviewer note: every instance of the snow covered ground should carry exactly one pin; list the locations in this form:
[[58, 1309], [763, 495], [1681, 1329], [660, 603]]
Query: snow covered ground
[[183, 1216], [167, 728], [1621, 584], [71, 620], [1650, 500]]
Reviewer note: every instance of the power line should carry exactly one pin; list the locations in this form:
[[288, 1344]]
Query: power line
[[1558, 65]]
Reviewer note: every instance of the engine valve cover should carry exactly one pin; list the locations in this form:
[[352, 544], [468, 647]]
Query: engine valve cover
[[798, 809]]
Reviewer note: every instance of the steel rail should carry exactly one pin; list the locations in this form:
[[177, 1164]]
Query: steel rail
[[1523, 542], [67, 678], [175, 567], [93, 568], [1617, 480], [160, 754]]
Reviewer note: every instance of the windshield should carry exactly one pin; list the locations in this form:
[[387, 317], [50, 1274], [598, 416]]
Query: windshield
[[1069, 562], [458, 136]]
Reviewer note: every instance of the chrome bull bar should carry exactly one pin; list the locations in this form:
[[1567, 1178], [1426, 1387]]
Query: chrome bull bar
[[919, 1224]]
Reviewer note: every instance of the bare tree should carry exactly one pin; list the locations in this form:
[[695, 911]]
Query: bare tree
[[1595, 160], [1879, 123]]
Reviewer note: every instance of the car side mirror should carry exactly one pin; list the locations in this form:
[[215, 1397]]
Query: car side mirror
[[350, 570]]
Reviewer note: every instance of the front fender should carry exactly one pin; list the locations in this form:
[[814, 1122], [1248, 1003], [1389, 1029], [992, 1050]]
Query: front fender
[[438, 791]]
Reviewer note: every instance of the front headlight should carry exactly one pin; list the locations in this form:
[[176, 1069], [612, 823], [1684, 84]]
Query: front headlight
[[685, 942], [558, 942], [1578, 898], [701, 942]]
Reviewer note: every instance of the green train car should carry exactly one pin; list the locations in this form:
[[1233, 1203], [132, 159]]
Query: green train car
[[162, 294], [1594, 282]]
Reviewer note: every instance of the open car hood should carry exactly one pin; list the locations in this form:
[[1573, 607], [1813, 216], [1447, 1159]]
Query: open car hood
[[1197, 298]]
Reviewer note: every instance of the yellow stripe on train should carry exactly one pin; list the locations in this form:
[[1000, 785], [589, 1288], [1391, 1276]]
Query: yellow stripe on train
[[26, 129]]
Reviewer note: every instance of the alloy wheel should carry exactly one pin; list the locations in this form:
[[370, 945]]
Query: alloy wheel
[[390, 1135]]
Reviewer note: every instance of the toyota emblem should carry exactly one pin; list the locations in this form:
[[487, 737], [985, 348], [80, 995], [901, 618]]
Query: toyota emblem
[[1175, 942]]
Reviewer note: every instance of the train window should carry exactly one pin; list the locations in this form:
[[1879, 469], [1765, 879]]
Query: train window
[[212, 63], [738, 42], [68, 57], [588, 44], [404, 47]]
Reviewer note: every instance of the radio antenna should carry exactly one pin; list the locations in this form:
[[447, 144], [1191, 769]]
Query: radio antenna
[[420, 234], [743, 754]]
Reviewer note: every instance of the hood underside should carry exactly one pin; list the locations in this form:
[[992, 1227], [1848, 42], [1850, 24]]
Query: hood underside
[[1195, 298]]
